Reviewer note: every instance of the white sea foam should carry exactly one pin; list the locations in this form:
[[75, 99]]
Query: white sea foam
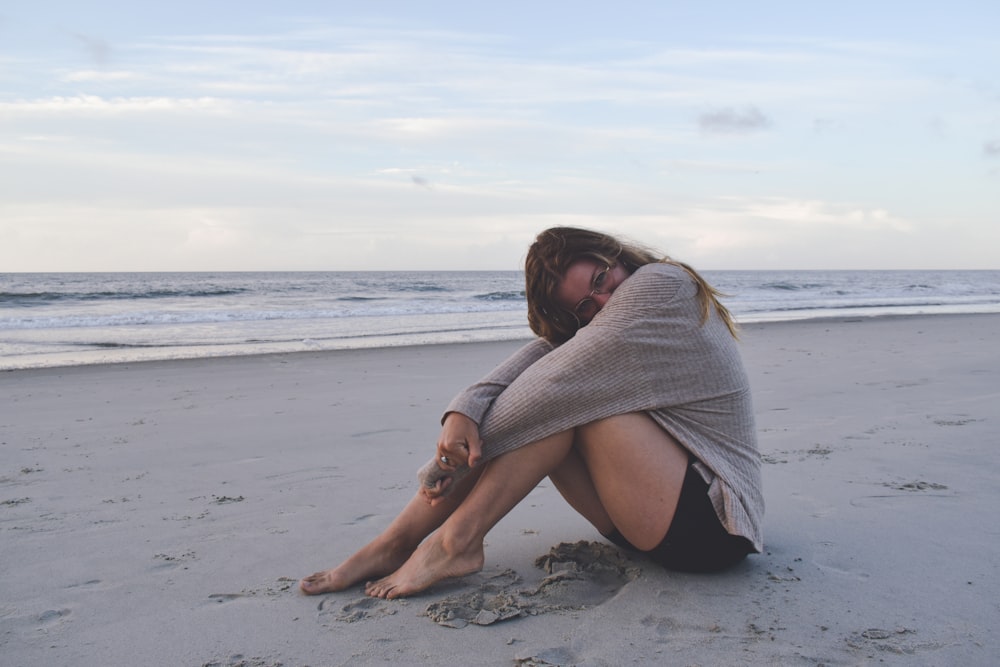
[[50, 319]]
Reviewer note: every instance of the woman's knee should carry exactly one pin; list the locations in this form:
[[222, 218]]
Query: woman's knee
[[637, 470]]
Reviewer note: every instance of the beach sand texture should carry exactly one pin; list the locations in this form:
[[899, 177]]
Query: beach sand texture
[[161, 514]]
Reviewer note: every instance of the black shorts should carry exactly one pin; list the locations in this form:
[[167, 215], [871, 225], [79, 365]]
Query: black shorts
[[696, 540]]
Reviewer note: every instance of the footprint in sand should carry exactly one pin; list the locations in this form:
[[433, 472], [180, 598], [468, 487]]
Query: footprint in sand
[[494, 600], [53, 616], [916, 486], [239, 660], [549, 656], [366, 434], [920, 486], [357, 610], [169, 561], [318, 473], [899, 641], [579, 575]]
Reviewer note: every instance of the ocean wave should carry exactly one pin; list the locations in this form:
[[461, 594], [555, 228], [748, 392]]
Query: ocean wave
[[67, 317], [514, 295], [886, 305], [791, 287], [154, 318], [47, 298]]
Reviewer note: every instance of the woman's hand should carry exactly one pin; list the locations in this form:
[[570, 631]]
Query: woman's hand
[[459, 444], [458, 449]]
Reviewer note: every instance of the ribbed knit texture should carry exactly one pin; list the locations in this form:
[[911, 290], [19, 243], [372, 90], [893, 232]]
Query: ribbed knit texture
[[645, 351]]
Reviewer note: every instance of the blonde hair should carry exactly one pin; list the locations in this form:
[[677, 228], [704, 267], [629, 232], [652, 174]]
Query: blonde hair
[[555, 249]]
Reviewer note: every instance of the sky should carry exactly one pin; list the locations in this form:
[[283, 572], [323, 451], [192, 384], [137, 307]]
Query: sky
[[396, 135]]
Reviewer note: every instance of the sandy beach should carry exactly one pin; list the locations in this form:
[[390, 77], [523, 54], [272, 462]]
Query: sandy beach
[[161, 513]]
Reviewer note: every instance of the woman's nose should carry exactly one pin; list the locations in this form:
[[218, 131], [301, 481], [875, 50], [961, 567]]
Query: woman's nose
[[601, 299]]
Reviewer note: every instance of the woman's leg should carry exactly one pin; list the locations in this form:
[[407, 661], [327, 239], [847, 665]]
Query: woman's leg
[[456, 548], [636, 470], [394, 545], [573, 481], [621, 474]]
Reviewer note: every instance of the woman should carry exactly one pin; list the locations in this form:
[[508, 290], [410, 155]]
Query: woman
[[633, 401]]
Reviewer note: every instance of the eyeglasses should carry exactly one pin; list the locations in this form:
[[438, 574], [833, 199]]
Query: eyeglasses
[[586, 307]]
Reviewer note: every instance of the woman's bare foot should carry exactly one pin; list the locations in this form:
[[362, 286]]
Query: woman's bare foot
[[374, 560], [430, 563]]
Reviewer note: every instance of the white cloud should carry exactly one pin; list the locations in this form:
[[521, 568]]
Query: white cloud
[[96, 104], [240, 151], [98, 49], [87, 76], [813, 213]]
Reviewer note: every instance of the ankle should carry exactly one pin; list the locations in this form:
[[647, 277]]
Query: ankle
[[459, 542], [397, 544]]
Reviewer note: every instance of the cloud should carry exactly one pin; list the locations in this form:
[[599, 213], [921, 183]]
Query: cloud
[[787, 232], [97, 104], [275, 149], [85, 76], [97, 49], [734, 121], [807, 213], [825, 125]]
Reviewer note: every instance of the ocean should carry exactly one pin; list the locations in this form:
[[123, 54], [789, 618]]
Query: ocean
[[58, 319]]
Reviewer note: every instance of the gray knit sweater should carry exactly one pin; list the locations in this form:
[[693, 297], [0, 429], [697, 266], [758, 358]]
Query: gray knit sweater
[[646, 350]]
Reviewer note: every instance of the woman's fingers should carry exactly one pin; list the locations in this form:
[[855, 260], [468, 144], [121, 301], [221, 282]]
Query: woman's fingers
[[474, 447], [448, 457], [459, 444], [454, 454], [435, 494]]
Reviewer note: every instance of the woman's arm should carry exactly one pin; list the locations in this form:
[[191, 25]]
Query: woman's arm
[[459, 446], [476, 400], [594, 375]]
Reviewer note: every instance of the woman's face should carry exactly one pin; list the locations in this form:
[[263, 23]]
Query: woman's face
[[587, 286]]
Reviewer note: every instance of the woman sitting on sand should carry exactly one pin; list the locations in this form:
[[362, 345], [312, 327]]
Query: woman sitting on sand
[[633, 401]]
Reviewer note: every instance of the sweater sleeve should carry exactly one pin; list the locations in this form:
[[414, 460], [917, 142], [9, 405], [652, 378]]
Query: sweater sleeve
[[474, 401], [598, 373], [535, 393]]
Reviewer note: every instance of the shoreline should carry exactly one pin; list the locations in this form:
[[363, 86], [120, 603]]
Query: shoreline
[[833, 319], [145, 501]]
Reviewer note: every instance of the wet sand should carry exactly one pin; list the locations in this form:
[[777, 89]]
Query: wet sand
[[161, 514]]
